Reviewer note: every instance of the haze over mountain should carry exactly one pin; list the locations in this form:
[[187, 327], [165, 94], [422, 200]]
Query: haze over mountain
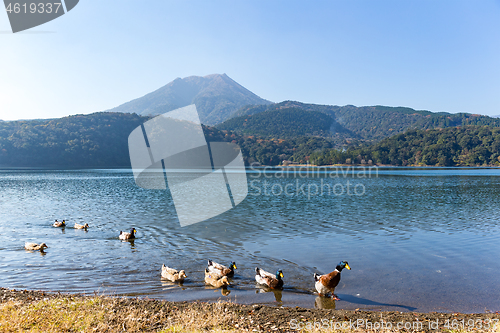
[[216, 97]]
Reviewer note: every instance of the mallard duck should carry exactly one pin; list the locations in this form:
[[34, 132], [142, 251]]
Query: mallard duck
[[81, 226], [172, 274], [59, 224], [221, 270], [35, 246], [128, 235], [326, 283], [215, 280], [268, 279]]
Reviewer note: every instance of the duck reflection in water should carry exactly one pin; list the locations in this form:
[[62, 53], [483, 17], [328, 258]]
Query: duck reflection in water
[[223, 291], [131, 242], [324, 303], [172, 285], [278, 293], [42, 253]]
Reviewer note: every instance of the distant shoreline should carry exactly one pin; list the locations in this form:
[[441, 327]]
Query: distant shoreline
[[295, 166]]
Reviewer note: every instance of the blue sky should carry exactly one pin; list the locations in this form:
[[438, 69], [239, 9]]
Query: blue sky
[[434, 55]]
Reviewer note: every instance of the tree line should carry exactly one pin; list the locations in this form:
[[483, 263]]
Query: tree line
[[101, 140], [453, 146]]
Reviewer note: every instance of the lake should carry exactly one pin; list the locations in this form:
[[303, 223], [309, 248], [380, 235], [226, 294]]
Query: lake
[[417, 239]]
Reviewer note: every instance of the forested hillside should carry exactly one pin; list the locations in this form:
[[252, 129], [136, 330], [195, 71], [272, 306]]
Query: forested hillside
[[454, 146], [364, 124], [271, 151], [282, 123], [101, 140], [96, 140]]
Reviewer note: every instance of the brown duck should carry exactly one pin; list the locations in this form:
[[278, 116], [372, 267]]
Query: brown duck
[[81, 226], [172, 275], [35, 246], [215, 280]]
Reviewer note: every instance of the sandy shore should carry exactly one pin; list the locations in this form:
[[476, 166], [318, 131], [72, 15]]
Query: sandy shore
[[37, 311]]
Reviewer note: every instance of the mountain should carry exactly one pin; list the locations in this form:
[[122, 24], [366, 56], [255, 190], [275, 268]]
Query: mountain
[[357, 124], [216, 97]]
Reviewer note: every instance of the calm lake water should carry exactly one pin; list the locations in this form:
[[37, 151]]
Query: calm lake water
[[416, 239]]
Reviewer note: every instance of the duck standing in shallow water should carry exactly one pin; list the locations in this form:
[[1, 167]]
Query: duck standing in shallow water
[[216, 280], [127, 235], [58, 224], [35, 246], [172, 275], [81, 226], [221, 270], [328, 282], [268, 279]]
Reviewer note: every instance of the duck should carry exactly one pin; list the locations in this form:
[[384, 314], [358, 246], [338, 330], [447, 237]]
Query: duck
[[81, 226], [326, 283], [35, 246], [172, 274], [127, 235], [58, 224], [268, 279], [216, 280], [221, 270]]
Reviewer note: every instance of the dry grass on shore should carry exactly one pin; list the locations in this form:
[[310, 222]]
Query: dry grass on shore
[[101, 314], [31, 311]]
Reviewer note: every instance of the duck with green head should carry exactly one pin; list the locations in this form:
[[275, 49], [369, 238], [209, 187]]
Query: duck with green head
[[221, 270], [127, 235], [58, 224], [273, 281], [328, 282]]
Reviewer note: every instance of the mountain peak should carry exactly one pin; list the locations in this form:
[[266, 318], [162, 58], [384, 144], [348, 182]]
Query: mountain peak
[[216, 97]]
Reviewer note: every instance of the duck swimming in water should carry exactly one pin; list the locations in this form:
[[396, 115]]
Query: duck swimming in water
[[221, 270], [127, 235], [268, 279], [81, 226], [35, 246], [172, 275], [58, 224], [216, 280]]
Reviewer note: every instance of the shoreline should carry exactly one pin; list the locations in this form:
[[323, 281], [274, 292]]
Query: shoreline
[[30, 310]]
